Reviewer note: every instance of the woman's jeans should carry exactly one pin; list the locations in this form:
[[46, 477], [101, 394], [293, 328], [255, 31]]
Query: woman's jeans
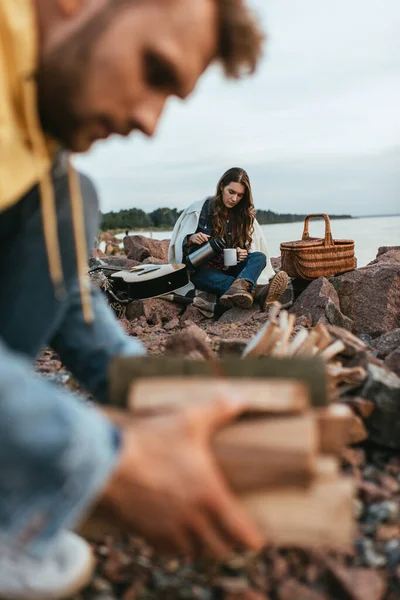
[[218, 282]]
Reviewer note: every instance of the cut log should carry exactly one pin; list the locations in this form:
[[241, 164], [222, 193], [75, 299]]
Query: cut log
[[325, 338], [263, 342], [354, 376], [319, 516], [358, 432], [297, 342], [310, 345], [264, 396], [281, 347], [352, 344], [335, 423], [124, 371], [262, 453], [331, 351], [273, 312], [364, 408]]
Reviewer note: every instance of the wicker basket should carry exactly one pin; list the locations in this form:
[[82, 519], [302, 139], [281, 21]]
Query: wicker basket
[[310, 258]]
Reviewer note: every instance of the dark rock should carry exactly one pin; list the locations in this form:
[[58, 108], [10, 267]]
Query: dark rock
[[370, 296], [383, 512], [392, 551], [150, 260], [387, 343], [393, 361], [139, 247], [276, 263], [287, 298], [383, 389], [366, 338], [134, 249], [356, 584], [386, 533], [120, 263], [304, 320], [384, 249], [321, 301], [192, 313], [173, 324], [156, 311], [189, 341], [391, 255], [235, 346], [238, 316], [291, 589]]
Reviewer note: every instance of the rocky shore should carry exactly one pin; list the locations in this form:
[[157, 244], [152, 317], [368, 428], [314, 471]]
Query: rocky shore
[[365, 302]]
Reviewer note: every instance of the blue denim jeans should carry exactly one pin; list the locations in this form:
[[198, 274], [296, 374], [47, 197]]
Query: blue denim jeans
[[56, 451], [218, 282]]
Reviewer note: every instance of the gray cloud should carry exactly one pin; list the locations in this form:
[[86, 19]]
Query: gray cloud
[[318, 128]]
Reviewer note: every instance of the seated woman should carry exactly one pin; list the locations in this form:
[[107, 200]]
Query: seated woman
[[229, 215]]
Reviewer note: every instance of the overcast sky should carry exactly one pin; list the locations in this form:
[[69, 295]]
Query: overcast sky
[[317, 129]]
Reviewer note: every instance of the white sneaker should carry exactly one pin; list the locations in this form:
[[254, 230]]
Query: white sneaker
[[67, 569]]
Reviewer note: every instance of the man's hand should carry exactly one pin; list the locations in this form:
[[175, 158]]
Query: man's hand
[[242, 254], [198, 238], [168, 488]]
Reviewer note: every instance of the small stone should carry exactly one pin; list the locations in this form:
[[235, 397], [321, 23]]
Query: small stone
[[173, 324], [371, 473], [235, 346], [358, 509], [366, 551], [102, 586], [372, 492], [392, 550], [356, 584], [293, 590], [234, 585], [354, 456], [384, 512], [280, 567], [390, 483], [385, 533]]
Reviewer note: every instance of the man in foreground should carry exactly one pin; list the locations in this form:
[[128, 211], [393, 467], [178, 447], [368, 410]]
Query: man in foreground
[[73, 72]]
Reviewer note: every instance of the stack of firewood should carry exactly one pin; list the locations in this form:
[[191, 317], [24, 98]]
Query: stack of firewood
[[282, 458], [278, 337]]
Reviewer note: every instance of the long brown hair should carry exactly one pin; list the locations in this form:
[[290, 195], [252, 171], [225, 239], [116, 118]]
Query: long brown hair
[[241, 216]]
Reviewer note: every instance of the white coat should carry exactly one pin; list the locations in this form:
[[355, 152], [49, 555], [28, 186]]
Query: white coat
[[187, 224]]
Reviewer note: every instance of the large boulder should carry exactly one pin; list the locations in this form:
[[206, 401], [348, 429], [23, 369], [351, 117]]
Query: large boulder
[[370, 296], [320, 303], [139, 247]]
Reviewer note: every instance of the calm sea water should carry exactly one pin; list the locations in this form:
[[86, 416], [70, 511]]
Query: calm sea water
[[368, 233]]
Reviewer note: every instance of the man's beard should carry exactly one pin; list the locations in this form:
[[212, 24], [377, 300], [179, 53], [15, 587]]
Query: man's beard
[[62, 76], [57, 85]]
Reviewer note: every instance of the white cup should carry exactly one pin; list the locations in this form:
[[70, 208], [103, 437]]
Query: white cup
[[230, 257]]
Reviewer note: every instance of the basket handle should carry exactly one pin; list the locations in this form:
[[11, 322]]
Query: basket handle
[[328, 233]]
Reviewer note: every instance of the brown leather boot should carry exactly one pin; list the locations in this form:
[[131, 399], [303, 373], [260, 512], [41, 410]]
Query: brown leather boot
[[238, 295], [272, 291]]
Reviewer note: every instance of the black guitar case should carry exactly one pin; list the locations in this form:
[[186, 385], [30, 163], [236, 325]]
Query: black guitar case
[[150, 281]]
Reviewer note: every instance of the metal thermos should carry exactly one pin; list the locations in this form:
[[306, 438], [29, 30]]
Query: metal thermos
[[214, 247]]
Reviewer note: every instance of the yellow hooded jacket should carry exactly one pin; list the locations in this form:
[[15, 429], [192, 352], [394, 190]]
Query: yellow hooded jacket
[[25, 153]]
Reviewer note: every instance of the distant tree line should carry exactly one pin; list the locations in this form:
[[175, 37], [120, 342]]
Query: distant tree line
[[268, 217], [165, 218]]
